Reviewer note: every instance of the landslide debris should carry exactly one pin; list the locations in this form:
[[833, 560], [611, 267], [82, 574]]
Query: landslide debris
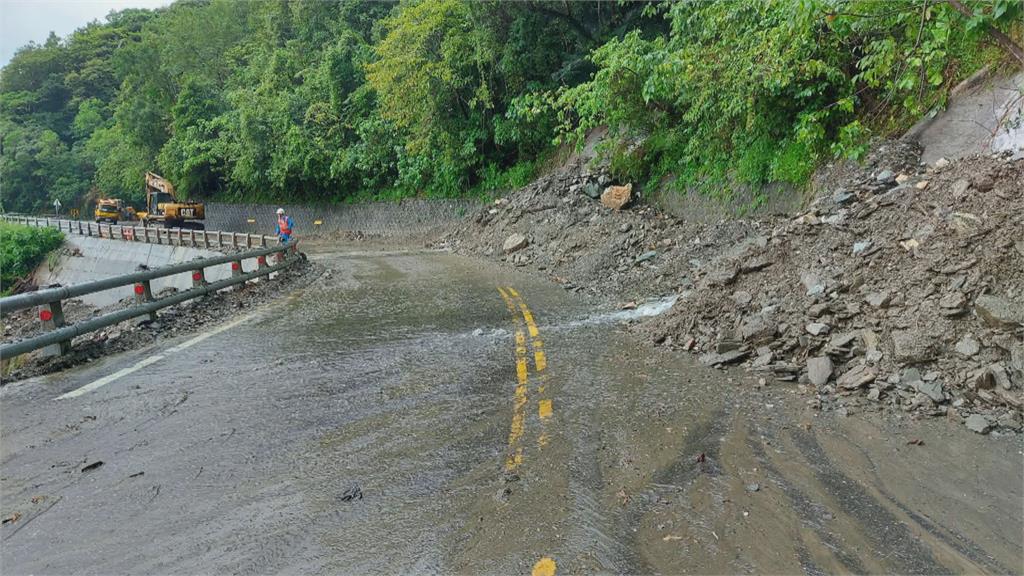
[[900, 286]]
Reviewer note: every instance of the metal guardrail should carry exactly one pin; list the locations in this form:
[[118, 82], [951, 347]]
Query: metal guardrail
[[148, 234], [51, 311]]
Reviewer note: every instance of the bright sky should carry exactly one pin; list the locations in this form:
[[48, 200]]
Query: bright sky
[[22, 21]]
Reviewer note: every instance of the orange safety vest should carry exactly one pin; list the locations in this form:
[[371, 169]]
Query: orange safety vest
[[282, 223]]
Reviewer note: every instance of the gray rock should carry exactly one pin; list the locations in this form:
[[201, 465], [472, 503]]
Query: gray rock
[[593, 190], [626, 227], [953, 300], [968, 346], [1011, 421], [977, 423], [817, 310], [819, 370], [1000, 377], [842, 197], [1017, 365], [741, 298], [874, 394], [960, 187], [909, 376], [812, 284], [753, 487], [861, 247], [858, 376], [931, 389], [723, 276], [817, 328], [649, 255], [885, 177], [757, 329], [999, 313], [910, 347], [878, 299], [515, 242]]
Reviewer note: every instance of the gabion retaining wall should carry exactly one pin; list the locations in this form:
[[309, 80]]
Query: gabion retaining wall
[[389, 219]]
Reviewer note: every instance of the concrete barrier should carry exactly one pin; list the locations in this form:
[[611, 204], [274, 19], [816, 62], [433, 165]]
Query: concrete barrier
[[413, 217]]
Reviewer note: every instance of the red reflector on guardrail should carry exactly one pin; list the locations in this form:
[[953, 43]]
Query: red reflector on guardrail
[[45, 315], [236, 265], [197, 276], [262, 260], [139, 289]]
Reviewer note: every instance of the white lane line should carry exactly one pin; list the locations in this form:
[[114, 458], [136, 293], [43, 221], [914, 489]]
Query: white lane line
[[151, 360]]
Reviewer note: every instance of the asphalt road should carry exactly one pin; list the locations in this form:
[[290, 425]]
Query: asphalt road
[[421, 412]]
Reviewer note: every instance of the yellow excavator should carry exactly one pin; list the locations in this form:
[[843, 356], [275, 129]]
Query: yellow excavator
[[163, 206]]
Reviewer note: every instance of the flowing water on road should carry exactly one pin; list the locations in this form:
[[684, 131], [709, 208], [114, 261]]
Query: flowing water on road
[[422, 412]]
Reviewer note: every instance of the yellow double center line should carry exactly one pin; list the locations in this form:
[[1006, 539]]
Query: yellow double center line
[[521, 316]]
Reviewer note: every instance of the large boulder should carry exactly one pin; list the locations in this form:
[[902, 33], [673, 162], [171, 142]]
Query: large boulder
[[615, 197], [515, 242]]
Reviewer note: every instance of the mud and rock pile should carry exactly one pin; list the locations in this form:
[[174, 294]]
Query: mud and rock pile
[[901, 286]]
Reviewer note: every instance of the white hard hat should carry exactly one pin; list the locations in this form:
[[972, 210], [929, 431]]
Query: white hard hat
[[280, 210]]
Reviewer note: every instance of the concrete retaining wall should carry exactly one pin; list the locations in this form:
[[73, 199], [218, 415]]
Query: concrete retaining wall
[[386, 219], [98, 259]]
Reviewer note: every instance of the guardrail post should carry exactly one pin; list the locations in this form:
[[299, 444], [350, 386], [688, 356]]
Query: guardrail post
[[179, 238], [52, 317], [198, 278], [192, 237], [143, 294], [79, 227], [263, 241], [234, 239], [236, 268], [262, 262]]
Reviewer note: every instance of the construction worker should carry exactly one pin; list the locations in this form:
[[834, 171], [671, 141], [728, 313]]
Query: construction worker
[[285, 225]]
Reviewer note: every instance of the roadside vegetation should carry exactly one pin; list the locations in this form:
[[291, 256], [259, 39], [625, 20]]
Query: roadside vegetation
[[22, 248], [313, 100]]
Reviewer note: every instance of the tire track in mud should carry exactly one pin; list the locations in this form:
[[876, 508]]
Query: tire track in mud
[[701, 455], [955, 540], [807, 511], [891, 539]]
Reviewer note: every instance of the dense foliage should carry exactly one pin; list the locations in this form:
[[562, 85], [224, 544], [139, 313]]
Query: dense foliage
[[761, 91], [351, 99], [22, 248]]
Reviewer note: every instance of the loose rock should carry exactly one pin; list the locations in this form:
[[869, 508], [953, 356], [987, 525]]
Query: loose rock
[[819, 370]]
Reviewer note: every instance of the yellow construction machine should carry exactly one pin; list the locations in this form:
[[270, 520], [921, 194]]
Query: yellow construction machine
[[110, 210], [163, 206]]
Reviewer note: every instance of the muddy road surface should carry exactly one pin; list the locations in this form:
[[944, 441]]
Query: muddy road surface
[[419, 412]]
